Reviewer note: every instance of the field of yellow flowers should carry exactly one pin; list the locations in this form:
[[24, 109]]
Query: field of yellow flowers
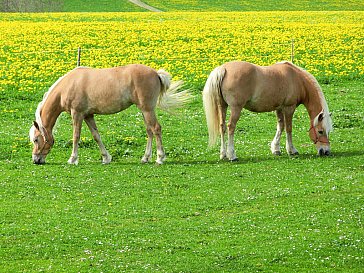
[[36, 49]]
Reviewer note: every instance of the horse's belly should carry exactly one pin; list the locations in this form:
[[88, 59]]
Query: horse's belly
[[111, 107], [261, 106]]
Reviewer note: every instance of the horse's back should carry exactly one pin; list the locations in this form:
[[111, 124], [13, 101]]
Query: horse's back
[[261, 88], [108, 90]]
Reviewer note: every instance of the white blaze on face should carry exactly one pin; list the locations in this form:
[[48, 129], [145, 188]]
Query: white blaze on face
[[37, 158], [32, 133]]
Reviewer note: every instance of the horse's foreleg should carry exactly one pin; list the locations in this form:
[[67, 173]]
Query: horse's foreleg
[[222, 117], [275, 146], [235, 115], [288, 115], [90, 121], [77, 124]]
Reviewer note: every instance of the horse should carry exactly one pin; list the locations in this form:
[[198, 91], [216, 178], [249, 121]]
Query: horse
[[281, 87], [84, 92]]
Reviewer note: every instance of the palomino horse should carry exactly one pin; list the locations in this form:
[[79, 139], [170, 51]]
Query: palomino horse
[[280, 87], [84, 92]]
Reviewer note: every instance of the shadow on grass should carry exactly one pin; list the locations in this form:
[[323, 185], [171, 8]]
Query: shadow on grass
[[183, 161], [258, 159]]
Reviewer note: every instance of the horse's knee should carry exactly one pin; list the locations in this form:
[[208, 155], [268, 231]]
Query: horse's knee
[[149, 131], [231, 127], [96, 136], [157, 130]]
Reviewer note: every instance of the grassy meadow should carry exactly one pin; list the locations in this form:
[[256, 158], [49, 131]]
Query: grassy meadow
[[195, 213], [100, 5], [258, 5], [215, 5]]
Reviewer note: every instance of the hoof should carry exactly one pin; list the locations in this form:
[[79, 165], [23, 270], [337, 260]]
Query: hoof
[[73, 161], [144, 160], [234, 159], [277, 153], [160, 160], [106, 159], [294, 154]]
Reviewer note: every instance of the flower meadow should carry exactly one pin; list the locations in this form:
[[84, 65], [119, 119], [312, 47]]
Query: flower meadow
[[36, 49]]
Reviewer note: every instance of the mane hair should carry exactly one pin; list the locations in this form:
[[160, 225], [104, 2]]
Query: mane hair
[[38, 118], [327, 121]]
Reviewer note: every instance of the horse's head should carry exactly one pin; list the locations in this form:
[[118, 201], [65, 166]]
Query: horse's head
[[42, 143], [319, 132]]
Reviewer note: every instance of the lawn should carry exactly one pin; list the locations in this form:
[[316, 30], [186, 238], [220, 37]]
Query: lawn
[[195, 213], [258, 5], [99, 6], [216, 5]]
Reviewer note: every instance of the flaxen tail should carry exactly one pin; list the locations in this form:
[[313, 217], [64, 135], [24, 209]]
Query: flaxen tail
[[172, 96], [211, 95]]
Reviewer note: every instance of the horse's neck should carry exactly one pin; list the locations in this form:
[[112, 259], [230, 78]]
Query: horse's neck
[[313, 103], [51, 111]]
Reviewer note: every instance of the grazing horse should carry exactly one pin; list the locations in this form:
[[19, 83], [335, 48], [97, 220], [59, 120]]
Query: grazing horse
[[85, 91], [280, 87]]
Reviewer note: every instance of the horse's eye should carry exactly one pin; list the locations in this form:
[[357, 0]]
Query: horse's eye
[[321, 132]]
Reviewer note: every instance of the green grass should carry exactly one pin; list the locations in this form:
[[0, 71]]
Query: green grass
[[260, 5], [207, 5], [193, 214], [99, 6]]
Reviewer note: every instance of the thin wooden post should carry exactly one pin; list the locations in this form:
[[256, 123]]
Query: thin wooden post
[[79, 56], [292, 51]]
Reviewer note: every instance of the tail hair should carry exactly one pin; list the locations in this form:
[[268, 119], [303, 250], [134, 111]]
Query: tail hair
[[173, 95], [165, 79], [211, 95]]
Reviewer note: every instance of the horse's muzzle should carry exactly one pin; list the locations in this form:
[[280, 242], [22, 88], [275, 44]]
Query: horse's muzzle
[[323, 152], [39, 160]]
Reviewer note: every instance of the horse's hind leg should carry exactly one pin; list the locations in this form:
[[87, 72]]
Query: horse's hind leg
[[148, 150], [153, 128], [235, 115], [90, 121], [222, 117], [275, 146]]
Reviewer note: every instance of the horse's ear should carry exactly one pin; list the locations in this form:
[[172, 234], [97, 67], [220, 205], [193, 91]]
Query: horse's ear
[[36, 125]]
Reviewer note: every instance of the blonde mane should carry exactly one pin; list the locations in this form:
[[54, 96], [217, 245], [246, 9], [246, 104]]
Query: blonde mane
[[38, 118], [327, 121]]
